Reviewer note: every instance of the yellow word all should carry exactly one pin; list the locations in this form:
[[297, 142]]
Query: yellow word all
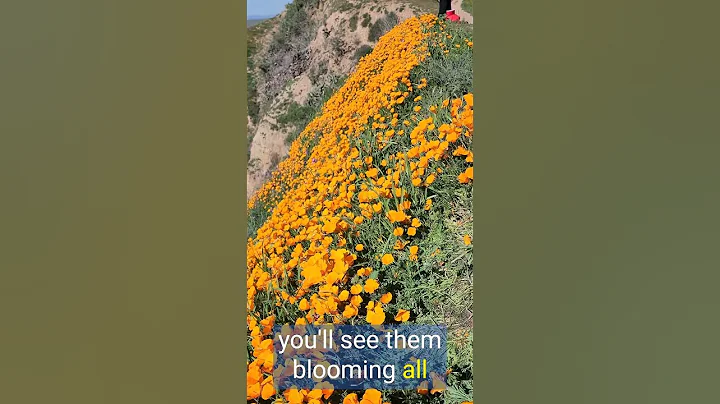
[[418, 371]]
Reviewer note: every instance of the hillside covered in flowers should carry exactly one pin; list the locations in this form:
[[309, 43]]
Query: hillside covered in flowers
[[369, 218]]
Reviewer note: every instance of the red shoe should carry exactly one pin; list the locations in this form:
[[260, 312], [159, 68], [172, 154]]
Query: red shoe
[[452, 16]]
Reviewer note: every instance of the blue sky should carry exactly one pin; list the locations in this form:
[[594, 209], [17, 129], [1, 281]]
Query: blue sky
[[266, 7]]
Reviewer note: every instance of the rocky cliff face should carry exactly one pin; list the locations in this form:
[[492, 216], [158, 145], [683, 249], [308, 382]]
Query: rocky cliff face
[[299, 58]]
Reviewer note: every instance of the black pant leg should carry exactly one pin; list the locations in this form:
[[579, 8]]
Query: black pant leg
[[445, 5]]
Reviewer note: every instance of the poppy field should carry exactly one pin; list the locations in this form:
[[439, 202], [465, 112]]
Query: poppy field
[[369, 218]]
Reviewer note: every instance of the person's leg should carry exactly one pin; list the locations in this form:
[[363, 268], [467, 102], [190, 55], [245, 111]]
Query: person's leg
[[444, 6]]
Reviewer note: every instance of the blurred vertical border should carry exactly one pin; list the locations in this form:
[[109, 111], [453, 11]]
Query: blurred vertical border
[[596, 228], [122, 239]]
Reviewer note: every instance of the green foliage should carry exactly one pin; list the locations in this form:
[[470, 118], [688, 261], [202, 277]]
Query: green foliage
[[424, 6], [253, 106], [467, 5], [319, 71], [286, 54], [322, 91], [382, 26], [274, 161], [337, 45], [438, 286], [362, 51], [344, 6], [449, 71], [353, 23], [257, 217], [296, 18], [298, 116], [366, 20], [259, 30]]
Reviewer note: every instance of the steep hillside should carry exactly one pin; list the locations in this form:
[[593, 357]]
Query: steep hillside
[[299, 58], [369, 218]]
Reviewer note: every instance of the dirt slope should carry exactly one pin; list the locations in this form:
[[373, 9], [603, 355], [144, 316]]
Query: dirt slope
[[464, 15], [332, 36]]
